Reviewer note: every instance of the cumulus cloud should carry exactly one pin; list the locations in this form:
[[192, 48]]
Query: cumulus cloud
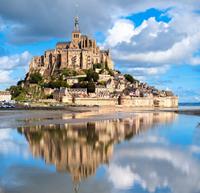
[[5, 77], [54, 19], [18, 60], [122, 31], [154, 46], [9, 64]]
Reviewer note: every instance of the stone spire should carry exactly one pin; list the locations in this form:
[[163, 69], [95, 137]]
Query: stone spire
[[76, 24]]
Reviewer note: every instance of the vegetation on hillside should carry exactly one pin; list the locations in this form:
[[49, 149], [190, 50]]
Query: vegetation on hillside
[[91, 75], [130, 78], [35, 78], [34, 84]]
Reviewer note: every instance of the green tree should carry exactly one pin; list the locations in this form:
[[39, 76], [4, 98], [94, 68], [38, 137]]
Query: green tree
[[129, 78], [91, 87], [17, 91], [103, 83], [35, 78], [57, 84], [91, 75], [99, 66], [110, 72], [19, 83], [68, 72]]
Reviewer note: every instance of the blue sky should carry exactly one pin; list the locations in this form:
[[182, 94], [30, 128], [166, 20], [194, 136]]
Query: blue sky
[[157, 42]]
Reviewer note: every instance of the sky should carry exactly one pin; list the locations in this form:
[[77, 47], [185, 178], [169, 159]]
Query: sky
[[157, 41]]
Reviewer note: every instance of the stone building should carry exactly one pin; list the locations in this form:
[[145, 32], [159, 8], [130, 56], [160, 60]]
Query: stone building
[[79, 53], [5, 96]]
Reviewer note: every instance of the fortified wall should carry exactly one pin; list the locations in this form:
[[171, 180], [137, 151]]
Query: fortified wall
[[164, 102]]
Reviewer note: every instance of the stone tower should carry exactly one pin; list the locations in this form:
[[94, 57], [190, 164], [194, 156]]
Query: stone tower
[[76, 34]]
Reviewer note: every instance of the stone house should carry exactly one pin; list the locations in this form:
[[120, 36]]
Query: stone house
[[101, 91], [5, 96], [110, 85], [72, 80]]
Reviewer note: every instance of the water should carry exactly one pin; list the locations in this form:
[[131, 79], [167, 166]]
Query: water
[[189, 106], [143, 153]]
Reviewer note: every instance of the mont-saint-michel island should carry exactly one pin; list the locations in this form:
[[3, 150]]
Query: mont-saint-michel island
[[79, 72], [99, 96]]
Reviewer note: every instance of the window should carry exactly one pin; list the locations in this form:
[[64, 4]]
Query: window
[[76, 35]]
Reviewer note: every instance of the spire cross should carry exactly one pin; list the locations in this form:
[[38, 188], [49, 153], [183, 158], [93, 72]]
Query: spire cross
[[76, 20]]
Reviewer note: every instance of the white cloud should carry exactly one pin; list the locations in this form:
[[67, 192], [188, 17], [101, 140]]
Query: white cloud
[[122, 177], [181, 52], [9, 64], [154, 46], [150, 70], [18, 60], [122, 31], [5, 77]]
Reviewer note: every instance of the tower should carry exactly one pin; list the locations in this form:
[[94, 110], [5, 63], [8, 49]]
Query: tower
[[76, 34]]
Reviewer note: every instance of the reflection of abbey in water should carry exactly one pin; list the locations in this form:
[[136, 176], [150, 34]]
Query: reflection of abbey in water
[[81, 148]]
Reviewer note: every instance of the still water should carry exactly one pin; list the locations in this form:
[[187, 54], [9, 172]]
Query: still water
[[144, 153]]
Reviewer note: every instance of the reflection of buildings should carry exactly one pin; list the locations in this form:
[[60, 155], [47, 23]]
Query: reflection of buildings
[[81, 148]]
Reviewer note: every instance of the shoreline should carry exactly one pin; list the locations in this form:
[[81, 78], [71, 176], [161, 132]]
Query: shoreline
[[189, 112], [84, 108], [75, 114]]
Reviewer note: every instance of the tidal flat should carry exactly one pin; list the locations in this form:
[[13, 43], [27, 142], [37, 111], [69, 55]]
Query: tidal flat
[[99, 151]]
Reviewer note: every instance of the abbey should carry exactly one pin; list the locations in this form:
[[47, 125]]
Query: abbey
[[81, 52]]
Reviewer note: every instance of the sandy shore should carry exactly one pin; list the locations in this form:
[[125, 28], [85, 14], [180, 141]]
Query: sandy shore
[[18, 118]]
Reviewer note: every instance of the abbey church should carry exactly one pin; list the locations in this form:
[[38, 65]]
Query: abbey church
[[81, 52]]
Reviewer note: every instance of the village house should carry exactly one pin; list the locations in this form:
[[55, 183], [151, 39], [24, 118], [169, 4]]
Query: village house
[[101, 91], [110, 85], [79, 92], [72, 80], [5, 96], [48, 91], [69, 92]]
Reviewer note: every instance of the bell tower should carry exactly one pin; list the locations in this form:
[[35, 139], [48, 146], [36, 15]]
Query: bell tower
[[76, 34]]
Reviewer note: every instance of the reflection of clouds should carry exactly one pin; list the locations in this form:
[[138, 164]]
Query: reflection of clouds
[[159, 166], [10, 145], [37, 180], [150, 139], [175, 159], [122, 177]]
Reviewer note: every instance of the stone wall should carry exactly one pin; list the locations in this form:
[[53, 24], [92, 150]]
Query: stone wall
[[96, 101], [166, 102], [163, 102], [137, 102]]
